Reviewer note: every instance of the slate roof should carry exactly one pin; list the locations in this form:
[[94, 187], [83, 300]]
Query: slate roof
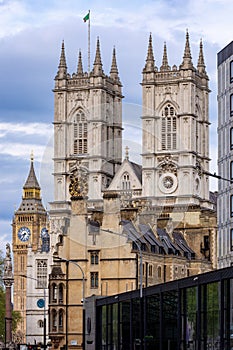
[[164, 244]]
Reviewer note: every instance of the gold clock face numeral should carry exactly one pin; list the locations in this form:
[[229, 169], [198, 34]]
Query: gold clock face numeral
[[78, 188], [75, 188], [24, 234]]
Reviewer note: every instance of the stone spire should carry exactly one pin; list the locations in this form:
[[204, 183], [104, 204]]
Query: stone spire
[[150, 62], [98, 67], [187, 58], [201, 62], [31, 181], [114, 71], [165, 66], [62, 68], [80, 64], [31, 200]]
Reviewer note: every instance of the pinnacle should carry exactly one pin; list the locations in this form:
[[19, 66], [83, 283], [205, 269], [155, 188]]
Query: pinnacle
[[62, 57], [114, 70], [149, 66], [201, 62], [80, 65], [97, 69], [187, 58], [165, 66], [62, 68]]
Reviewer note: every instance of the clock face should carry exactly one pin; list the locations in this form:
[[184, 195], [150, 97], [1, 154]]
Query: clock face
[[44, 232], [24, 234], [78, 187], [168, 183]]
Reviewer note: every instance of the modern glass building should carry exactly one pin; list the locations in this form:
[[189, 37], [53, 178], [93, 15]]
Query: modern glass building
[[225, 156], [191, 313]]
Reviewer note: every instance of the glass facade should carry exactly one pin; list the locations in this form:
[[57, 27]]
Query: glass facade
[[195, 313]]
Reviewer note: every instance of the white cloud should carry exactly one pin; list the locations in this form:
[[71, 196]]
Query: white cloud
[[22, 150], [39, 129], [14, 140]]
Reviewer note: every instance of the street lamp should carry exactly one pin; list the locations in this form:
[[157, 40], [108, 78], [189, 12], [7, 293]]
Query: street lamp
[[67, 261], [41, 304]]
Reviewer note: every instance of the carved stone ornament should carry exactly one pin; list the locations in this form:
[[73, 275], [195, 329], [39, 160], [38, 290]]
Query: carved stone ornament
[[59, 225], [198, 168], [78, 180], [8, 274], [167, 166]]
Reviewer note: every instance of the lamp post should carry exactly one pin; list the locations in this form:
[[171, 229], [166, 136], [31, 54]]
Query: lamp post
[[41, 303], [67, 261]]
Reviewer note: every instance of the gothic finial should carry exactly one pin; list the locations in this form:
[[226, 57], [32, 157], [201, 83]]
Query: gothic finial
[[32, 156], [97, 69], [201, 62], [62, 68], [80, 65], [187, 58], [126, 152], [150, 62], [165, 66], [114, 70]]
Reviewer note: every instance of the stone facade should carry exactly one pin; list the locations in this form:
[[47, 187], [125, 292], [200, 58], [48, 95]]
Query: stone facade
[[119, 226]]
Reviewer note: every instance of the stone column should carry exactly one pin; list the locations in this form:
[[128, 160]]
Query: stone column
[[8, 281]]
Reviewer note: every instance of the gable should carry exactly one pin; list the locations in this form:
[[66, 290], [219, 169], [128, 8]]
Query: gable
[[128, 177]]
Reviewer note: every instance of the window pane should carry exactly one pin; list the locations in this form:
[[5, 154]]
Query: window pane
[[213, 308], [231, 104], [41, 274], [231, 205], [231, 138], [231, 72], [231, 239]]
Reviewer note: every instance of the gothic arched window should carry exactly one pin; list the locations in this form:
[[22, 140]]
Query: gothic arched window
[[41, 274], [60, 320], [60, 293], [54, 293], [80, 133], [169, 128], [54, 321], [125, 182]]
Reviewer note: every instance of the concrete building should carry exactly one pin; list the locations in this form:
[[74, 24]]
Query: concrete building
[[119, 226], [225, 156]]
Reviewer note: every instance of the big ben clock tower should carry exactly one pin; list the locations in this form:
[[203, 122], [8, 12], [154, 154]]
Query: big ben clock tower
[[28, 224]]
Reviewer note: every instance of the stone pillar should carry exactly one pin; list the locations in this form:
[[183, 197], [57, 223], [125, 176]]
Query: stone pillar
[[8, 281]]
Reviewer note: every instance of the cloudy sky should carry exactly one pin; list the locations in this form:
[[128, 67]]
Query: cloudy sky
[[31, 33]]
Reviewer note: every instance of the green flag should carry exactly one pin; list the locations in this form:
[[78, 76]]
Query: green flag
[[87, 17]]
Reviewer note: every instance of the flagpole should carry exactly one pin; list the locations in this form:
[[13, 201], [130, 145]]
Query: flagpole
[[89, 42]]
